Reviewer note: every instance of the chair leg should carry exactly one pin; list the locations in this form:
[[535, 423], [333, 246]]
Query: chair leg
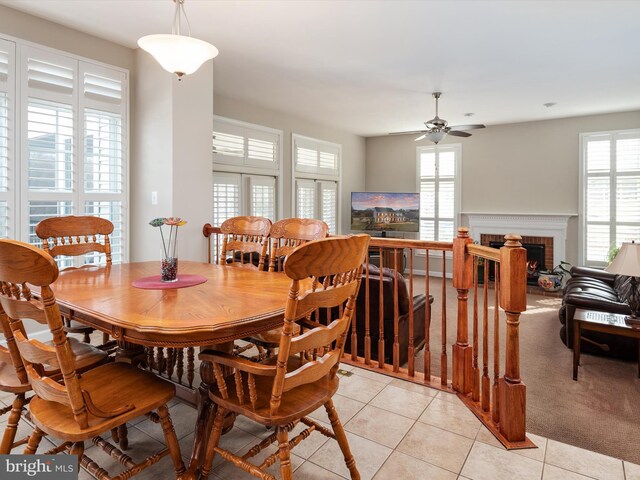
[[341, 437], [114, 435], [218, 422], [172, 440], [12, 425], [286, 472], [34, 441], [105, 338], [123, 437], [78, 449], [87, 337]]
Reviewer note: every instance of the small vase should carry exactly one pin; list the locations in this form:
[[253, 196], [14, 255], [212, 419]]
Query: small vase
[[550, 282], [169, 269]]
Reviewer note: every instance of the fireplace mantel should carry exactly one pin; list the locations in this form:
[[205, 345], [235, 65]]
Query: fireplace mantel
[[540, 225]]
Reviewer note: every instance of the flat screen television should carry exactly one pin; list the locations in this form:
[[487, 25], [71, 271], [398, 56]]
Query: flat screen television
[[385, 212]]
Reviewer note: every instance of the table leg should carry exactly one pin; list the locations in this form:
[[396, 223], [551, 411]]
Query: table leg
[[639, 358], [576, 348], [130, 353], [206, 410]]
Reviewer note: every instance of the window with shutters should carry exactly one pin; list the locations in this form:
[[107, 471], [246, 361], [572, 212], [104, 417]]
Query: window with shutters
[[247, 170], [609, 193], [316, 167], [73, 145], [7, 139], [439, 187]]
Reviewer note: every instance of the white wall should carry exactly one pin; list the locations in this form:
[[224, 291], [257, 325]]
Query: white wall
[[353, 147], [529, 167], [172, 145]]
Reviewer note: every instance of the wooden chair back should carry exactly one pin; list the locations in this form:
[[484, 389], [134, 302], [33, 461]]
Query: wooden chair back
[[245, 234], [75, 236], [288, 234], [22, 265], [329, 270]]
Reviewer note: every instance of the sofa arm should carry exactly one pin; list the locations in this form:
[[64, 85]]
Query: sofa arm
[[594, 273], [595, 302]]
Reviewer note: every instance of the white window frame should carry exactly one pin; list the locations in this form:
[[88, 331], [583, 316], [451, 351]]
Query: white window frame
[[246, 168], [80, 65], [457, 184], [583, 176], [317, 174]]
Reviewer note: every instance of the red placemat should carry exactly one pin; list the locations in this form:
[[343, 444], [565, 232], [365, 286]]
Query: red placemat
[[154, 282]]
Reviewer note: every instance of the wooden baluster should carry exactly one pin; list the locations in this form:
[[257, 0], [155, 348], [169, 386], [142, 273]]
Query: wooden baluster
[[476, 370], [180, 364], [150, 361], [396, 315], [443, 352], [367, 315], [486, 393], [411, 353], [495, 412], [171, 361], [190, 366], [462, 281], [513, 299], [160, 362], [381, 317], [427, 323]]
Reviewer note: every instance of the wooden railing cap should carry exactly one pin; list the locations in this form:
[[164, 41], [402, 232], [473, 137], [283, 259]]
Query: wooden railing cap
[[463, 232], [512, 240]]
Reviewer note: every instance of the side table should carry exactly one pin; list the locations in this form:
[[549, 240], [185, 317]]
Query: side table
[[604, 322]]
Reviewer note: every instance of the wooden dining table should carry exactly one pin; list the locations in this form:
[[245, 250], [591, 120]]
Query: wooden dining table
[[233, 303]]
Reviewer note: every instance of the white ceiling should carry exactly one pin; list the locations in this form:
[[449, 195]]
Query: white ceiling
[[368, 67]]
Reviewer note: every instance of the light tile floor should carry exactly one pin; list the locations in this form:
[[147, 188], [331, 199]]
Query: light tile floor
[[396, 429]]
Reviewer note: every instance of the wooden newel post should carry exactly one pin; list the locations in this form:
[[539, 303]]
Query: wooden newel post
[[513, 300], [462, 281]]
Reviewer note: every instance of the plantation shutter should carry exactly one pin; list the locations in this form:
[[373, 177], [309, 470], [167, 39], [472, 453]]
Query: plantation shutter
[[49, 141], [226, 196], [262, 195], [438, 171], [7, 132], [315, 156], [240, 144], [103, 188], [306, 198], [611, 163], [328, 196]]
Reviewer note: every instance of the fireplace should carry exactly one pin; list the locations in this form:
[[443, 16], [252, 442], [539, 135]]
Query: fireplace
[[536, 260]]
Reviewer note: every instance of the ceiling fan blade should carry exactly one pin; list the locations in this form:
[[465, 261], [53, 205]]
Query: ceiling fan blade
[[457, 133], [467, 127], [420, 137], [406, 133]]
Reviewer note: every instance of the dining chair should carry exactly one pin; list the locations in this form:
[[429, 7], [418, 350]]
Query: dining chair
[[290, 233], [14, 379], [285, 236], [243, 237], [75, 236], [75, 407], [282, 392]]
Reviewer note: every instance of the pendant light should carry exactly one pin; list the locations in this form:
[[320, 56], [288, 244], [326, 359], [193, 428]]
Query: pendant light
[[179, 54]]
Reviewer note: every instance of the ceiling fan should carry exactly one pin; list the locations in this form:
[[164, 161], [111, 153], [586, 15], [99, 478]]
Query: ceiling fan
[[438, 128]]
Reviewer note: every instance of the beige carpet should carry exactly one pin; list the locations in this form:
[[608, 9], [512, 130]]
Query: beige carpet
[[599, 412]]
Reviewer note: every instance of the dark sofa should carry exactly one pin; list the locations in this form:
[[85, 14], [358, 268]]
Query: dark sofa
[[404, 305], [594, 289]]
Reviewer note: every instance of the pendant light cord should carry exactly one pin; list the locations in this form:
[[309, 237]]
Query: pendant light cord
[[177, 17]]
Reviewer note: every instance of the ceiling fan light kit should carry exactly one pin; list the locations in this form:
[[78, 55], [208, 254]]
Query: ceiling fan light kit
[[438, 128], [176, 53]]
